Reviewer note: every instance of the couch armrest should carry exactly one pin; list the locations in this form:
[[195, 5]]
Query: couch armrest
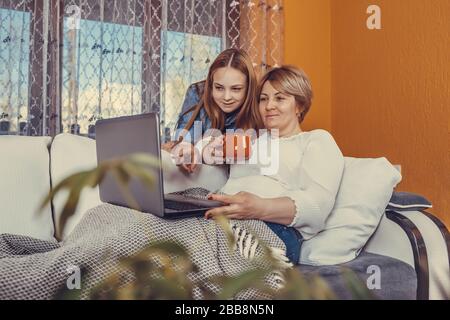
[[421, 240]]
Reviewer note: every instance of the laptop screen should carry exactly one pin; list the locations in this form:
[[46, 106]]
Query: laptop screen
[[123, 136]]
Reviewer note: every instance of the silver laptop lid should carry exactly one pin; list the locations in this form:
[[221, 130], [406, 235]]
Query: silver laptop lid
[[123, 136]]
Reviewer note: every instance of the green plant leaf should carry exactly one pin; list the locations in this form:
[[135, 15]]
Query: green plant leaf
[[122, 180], [144, 159], [66, 183], [76, 185], [162, 247], [96, 176], [296, 287], [144, 175], [320, 289], [224, 223], [168, 290], [107, 289], [356, 286], [245, 280]]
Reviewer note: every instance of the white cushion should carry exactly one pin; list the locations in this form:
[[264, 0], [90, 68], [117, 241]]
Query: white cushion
[[71, 154], [24, 183], [365, 190]]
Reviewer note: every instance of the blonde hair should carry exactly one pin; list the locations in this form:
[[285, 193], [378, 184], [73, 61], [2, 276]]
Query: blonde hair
[[248, 115], [292, 81]]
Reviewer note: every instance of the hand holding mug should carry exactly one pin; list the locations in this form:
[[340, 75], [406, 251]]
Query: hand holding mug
[[213, 151], [236, 147]]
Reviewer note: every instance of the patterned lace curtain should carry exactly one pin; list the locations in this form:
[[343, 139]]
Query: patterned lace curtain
[[261, 32], [66, 63]]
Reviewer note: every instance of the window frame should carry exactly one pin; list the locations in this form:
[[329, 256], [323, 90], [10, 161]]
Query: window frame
[[49, 115]]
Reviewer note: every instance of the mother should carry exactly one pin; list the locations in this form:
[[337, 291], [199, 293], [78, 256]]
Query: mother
[[298, 198]]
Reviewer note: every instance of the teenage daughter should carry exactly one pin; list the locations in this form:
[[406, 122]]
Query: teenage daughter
[[228, 102]]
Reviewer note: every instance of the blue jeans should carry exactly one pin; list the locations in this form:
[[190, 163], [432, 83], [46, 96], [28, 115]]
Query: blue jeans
[[292, 239]]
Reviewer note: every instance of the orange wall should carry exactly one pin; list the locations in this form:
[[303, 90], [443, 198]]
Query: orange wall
[[390, 88], [308, 46]]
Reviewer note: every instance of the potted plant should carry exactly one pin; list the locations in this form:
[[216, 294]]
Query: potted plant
[[75, 128], [91, 128], [4, 123], [22, 125]]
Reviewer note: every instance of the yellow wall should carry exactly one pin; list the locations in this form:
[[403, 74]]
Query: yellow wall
[[390, 88]]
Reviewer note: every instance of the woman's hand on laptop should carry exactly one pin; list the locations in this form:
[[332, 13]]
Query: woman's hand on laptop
[[243, 205], [246, 205]]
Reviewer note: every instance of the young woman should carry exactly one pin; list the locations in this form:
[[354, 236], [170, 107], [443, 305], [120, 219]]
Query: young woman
[[228, 102], [297, 199]]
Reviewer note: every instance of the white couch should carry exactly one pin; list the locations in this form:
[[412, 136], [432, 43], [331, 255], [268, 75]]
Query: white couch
[[29, 166]]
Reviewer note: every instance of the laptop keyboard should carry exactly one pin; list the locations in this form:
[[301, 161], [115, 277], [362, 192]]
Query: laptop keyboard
[[180, 206]]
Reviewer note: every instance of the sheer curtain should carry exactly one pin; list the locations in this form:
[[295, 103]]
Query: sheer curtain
[[261, 32], [65, 64]]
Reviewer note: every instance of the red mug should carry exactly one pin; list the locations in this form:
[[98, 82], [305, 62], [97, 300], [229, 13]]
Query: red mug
[[236, 146]]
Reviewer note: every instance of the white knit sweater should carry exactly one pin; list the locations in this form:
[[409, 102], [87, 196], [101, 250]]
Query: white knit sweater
[[309, 172]]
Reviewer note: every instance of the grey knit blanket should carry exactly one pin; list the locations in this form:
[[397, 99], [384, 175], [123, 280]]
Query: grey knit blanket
[[36, 269]]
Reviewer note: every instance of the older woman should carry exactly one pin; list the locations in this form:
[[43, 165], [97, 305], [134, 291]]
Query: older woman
[[297, 199]]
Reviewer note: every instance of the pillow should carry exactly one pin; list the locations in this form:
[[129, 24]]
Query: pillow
[[407, 201], [71, 154], [24, 183], [364, 192]]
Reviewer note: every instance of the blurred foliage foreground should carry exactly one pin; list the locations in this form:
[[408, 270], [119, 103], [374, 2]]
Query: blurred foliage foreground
[[161, 269]]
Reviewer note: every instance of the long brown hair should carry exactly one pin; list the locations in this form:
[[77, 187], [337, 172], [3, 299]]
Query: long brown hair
[[248, 115]]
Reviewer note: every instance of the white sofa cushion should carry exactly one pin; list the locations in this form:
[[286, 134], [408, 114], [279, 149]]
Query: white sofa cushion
[[24, 183], [365, 190], [71, 154]]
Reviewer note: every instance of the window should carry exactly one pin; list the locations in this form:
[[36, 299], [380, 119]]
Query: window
[[14, 52], [127, 57], [101, 73], [186, 60]]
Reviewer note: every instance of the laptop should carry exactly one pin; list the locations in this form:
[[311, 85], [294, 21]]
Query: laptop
[[123, 136]]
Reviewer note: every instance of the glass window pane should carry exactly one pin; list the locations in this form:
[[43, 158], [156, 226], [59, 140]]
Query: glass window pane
[[102, 70], [187, 60], [14, 53]]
